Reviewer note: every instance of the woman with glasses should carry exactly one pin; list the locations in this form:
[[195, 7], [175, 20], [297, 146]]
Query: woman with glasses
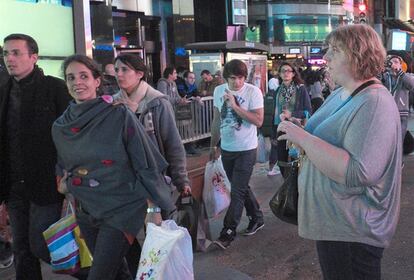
[[291, 102]]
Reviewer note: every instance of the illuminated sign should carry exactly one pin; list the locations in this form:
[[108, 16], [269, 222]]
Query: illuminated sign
[[239, 12], [316, 61], [294, 50], [315, 50]]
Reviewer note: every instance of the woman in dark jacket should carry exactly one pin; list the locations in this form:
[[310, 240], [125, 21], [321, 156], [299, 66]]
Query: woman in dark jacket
[[291, 101], [110, 166]]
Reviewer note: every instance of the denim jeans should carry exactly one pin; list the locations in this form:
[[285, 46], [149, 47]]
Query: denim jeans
[[349, 260], [239, 168], [108, 247], [28, 221]]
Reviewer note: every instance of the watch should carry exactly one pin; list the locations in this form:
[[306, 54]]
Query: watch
[[153, 210]]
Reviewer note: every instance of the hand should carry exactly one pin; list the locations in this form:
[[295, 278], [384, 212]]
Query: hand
[[285, 115], [230, 99], [214, 153], [186, 191], [154, 218], [293, 133], [62, 186], [124, 99]]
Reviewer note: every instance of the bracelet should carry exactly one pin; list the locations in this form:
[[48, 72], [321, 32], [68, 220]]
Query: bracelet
[[153, 210]]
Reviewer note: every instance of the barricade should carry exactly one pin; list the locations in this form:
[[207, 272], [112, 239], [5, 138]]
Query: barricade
[[199, 126]]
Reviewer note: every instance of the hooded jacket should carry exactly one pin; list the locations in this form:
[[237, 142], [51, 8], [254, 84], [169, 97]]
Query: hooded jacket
[[113, 167], [155, 113], [400, 87]]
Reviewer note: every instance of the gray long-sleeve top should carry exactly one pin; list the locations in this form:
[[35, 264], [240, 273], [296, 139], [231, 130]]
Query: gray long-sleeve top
[[366, 208]]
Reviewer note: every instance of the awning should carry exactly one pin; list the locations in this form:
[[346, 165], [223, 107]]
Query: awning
[[243, 46], [393, 23]]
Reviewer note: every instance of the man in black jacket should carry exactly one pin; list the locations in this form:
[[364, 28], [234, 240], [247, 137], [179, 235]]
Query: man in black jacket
[[29, 104]]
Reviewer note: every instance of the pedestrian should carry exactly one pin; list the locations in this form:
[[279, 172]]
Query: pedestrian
[[238, 111], [350, 178], [109, 165], [167, 86], [109, 85], [155, 113], [208, 83], [291, 99], [399, 85], [29, 103]]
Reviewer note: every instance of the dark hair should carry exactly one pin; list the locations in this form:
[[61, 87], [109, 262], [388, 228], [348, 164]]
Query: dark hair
[[186, 73], [134, 62], [168, 71], [235, 67], [85, 60], [297, 78], [205, 71], [30, 42]]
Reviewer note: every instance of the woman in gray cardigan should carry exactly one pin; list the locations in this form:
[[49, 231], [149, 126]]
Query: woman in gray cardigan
[[350, 179], [110, 166]]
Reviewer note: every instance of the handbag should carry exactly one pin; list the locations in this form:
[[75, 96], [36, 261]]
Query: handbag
[[187, 216], [284, 204]]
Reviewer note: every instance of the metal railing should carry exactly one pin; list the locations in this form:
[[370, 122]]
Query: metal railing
[[199, 126]]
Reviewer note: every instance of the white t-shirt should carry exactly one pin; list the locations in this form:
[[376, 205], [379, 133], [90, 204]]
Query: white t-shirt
[[238, 134]]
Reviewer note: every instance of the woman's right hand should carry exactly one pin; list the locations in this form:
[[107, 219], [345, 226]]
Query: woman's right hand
[[285, 115]]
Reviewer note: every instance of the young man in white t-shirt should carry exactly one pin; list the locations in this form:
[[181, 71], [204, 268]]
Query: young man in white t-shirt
[[238, 111]]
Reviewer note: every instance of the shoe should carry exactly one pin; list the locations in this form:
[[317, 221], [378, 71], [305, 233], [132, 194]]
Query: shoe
[[275, 171], [253, 228], [225, 239], [191, 150], [6, 254]]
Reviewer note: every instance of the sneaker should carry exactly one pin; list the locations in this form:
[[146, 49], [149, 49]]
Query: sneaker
[[6, 254], [253, 228], [225, 239], [275, 171]]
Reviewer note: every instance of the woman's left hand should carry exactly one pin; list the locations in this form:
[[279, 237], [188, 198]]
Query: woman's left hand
[[293, 133]]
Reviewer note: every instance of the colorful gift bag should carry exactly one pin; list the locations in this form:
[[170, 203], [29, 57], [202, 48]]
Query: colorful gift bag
[[62, 245], [216, 191], [84, 253], [166, 254]]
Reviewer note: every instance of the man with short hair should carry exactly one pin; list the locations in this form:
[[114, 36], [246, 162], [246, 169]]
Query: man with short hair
[[187, 87], [109, 85], [238, 111], [399, 84], [167, 85], [208, 83], [29, 104]]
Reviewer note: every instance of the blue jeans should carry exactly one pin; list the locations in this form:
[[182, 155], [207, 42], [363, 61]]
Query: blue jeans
[[28, 221], [239, 168], [349, 260], [108, 247]]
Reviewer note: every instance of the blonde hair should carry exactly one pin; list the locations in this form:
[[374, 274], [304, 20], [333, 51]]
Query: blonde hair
[[363, 48]]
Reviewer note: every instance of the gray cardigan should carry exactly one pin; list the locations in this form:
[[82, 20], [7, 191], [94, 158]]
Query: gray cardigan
[[113, 165], [366, 208]]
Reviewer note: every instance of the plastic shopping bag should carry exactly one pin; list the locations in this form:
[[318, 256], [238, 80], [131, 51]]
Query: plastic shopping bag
[[262, 154], [216, 191], [62, 245], [166, 254]]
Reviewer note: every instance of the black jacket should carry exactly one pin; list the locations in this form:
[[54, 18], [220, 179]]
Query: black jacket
[[41, 104]]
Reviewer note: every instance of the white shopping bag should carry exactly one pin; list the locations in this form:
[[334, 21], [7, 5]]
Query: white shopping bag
[[167, 253], [216, 191]]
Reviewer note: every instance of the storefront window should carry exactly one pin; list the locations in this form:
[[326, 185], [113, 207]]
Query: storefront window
[[50, 23]]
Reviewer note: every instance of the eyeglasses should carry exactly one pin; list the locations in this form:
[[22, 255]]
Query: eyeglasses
[[15, 53], [286, 71]]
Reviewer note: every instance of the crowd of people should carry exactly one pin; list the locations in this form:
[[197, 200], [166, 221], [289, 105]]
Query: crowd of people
[[111, 143]]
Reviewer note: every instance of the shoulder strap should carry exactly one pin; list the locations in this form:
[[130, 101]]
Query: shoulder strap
[[363, 86]]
